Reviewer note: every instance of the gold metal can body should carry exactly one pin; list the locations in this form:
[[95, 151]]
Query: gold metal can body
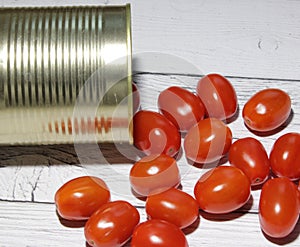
[[65, 74]]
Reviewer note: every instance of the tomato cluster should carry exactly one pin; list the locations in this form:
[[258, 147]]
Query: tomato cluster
[[113, 223], [199, 120]]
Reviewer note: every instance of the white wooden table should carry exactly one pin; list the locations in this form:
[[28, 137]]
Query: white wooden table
[[256, 44]]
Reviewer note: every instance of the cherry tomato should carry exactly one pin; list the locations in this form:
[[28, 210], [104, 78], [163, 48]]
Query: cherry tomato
[[218, 96], [154, 174], [153, 133], [278, 207], [158, 233], [250, 156], [284, 156], [80, 197], [222, 190], [267, 110], [183, 108], [299, 195], [207, 141], [174, 206], [111, 225]]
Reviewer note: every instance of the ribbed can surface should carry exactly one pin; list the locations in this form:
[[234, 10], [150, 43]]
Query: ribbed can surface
[[53, 58]]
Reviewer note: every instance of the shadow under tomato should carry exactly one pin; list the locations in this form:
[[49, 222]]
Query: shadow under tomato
[[71, 223], [179, 154], [286, 240], [275, 131], [229, 216], [138, 196], [230, 119], [144, 198], [223, 160], [179, 187], [259, 186], [221, 217], [140, 154], [127, 244], [191, 228], [234, 117], [183, 134], [248, 206]]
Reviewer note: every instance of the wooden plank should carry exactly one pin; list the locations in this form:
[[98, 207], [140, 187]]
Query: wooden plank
[[36, 224], [237, 38], [35, 173]]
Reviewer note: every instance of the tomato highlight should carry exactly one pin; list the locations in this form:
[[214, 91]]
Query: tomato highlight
[[153, 174], [284, 156], [222, 190], [183, 108], [249, 155], [218, 96], [153, 133], [111, 225], [158, 233], [80, 197], [207, 141], [279, 207], [174, 206], [267, 110]]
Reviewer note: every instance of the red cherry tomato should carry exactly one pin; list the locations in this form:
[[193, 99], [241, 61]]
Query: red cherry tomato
[[158, 233], [183, 108], [111, 225], [222, 190], [153, 133], [250, 156], [174, 206], [79, 198], [218, 96], [154, 174], [299, 195], [267, 110], [284, 156], [207, 141], [278, 207]]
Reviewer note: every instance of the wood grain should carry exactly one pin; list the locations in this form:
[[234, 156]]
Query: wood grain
[[254, 43], [36, 224], [37, 172]]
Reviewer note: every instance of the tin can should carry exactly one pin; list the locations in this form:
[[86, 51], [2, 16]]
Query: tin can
[[65, 74]]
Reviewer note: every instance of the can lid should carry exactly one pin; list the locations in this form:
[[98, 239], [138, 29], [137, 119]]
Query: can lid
[[56, 57]]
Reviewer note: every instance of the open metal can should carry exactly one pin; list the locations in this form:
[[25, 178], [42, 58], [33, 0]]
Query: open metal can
[[65, 74]]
